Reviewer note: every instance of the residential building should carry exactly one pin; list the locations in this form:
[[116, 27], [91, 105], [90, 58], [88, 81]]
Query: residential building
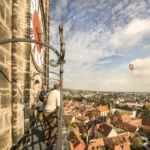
[[120, 142], [104, 111], [124, 117], [136, 122], [107, 130], [96, 144]]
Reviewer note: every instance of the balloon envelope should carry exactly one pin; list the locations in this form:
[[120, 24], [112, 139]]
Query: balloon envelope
[[131, 66]]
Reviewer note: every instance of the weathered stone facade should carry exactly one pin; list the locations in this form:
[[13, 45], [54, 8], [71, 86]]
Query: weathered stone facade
[[16, 63]]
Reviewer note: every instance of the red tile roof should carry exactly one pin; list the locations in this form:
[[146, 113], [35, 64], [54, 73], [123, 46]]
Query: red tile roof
[[126, 126], [124, 117], [75, 140], [136, 122], [120, 139], [117, 147], [81, 146], [146, 129], [103, 108], [145, 120], [96, 143], [105, 129], [71, 146], [124, 147]]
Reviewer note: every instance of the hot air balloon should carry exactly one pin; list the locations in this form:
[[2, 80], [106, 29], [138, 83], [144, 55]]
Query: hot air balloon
[[131, 66]]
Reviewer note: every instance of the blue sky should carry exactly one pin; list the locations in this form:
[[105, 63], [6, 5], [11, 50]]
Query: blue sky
[[102, 38]]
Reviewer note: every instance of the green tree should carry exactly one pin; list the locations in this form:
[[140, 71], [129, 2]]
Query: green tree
[[146, 109], [137, 142], [117, 112], [84, 137]]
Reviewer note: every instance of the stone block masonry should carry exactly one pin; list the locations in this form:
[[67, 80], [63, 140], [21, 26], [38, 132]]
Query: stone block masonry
[[5, 86], [17, 65]]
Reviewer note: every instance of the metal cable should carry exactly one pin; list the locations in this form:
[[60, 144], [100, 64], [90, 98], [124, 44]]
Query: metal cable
[[31, 41], [55, 73], [37, 42]]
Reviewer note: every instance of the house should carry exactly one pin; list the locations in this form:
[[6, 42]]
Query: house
[[81, 119], [126, 126], [104, 111], [92, 114], [117, 147], [91, 131], [136, 122], [125, 110], [96, 144], [120, 147], [120, 142], [124, 117], [107, 130], [146, 124], [81, 146], [83, 128], [75, 141], [67, 119]]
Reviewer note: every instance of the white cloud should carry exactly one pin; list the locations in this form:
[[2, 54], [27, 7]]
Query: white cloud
[[142, 68], [60, 9], [131, 35], [96, 30]]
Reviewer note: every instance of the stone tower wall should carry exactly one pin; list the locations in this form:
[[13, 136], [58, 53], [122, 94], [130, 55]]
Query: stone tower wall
[[5, 66], [17, 65]]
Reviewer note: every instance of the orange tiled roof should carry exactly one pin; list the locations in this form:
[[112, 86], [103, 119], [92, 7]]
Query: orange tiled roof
[[124, 117], [100, 141], [146, 129], [71, 146], [120, 139], [136, 122], [126, 146], [96, 143], [120, 142], [103, 108], [126, 126], [117, 147], [81, 146]]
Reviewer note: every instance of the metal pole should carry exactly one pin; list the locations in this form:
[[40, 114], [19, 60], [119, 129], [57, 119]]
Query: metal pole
[[59, 137]]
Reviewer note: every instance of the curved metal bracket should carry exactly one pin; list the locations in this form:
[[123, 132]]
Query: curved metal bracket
[[33, 41]]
